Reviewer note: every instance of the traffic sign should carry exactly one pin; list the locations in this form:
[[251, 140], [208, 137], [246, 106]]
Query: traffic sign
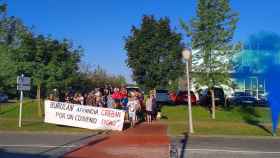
[[23, 83]]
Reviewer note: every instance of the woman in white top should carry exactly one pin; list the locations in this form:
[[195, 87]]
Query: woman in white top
[[81, 99], [133, 105], [149, 108]]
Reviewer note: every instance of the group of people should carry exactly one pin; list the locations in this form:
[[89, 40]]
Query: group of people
[[133, 102], [135, 109]]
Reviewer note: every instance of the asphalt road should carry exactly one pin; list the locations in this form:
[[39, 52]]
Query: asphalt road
[[44, 145], [41, 145], [225, 147]]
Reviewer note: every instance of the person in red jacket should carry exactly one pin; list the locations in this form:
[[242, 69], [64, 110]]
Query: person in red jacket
[[117, 96]]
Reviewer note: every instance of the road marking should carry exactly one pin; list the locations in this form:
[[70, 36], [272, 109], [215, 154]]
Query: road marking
[[37, 146], [235, 151]]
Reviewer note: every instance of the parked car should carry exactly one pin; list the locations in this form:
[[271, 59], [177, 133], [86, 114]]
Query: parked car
[[181, 97], [3, 98], [133, 88], [205, 98], [241, 98], [262, 101], [162, 96]]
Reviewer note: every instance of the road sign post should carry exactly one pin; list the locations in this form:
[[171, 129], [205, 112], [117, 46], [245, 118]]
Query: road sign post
[[23, 84], [20, 108]]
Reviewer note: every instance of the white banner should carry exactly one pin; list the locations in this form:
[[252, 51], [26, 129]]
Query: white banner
[[83, 116]]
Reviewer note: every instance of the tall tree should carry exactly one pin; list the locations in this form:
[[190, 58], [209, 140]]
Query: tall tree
[[50, 63], [11, 30], [154, 53], [211, 33], [99, 77], [7, 71]]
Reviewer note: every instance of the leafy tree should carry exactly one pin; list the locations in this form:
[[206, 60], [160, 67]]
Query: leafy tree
[[100, 78], [118, 80], [154, 53], [50, 63], [62, 70], [211, 33], [11, 30], [7, 71]]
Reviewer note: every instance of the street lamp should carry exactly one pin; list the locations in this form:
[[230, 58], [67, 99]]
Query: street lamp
[[187, 56]]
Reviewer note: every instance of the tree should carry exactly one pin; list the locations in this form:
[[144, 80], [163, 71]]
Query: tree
[[211, 33], [50, 63], [99, 77], [11, 31], [7, 71], [154, 53], [118, 80]]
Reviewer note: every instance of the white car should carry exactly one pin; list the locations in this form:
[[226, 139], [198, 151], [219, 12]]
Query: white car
[[134, 88], [3, 98]]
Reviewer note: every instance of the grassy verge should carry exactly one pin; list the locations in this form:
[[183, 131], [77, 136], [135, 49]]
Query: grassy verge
[[245, 121], [30, 120]]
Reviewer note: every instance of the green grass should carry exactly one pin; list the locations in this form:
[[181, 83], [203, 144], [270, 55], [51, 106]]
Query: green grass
[[245, 121], [31, 121], [237, 121]]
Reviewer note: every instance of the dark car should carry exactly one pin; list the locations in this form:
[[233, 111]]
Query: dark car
[[181, 97], [205, 98], [3, 98], [242, 98], [262, 101]]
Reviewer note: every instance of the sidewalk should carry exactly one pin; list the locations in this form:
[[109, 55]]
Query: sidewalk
[[143, 141]]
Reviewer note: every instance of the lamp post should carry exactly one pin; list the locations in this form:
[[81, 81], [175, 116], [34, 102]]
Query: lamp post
[[187, 56]]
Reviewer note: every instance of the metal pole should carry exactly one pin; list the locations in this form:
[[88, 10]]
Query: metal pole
[[244, 85], [264, 90], [20, 108], [251, 86], [257, 88], [21, 98], [189, 99]]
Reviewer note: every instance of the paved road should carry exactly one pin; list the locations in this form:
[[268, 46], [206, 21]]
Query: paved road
[[225, 147], [39, 145], [143, 141], [42, 145]]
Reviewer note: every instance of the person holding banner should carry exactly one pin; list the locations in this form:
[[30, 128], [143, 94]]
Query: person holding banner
[[110, 101], [117, 96], [76, 98], [51, 97], [98, 99], [67, 98], [90, 99], [124, 98], [81, 99]]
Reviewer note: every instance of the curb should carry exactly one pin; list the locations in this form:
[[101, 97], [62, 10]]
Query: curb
[[53, 132], [228, 136]]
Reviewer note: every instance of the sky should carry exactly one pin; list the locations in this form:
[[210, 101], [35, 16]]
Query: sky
[[100, 27]]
